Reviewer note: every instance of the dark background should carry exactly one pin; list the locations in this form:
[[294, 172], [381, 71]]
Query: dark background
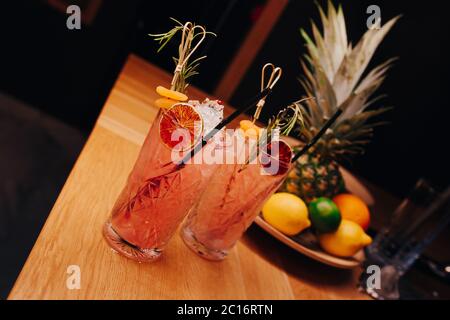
[[67, 74]]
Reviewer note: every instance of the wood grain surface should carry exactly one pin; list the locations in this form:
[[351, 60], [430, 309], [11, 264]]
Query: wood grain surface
[[259, 267]]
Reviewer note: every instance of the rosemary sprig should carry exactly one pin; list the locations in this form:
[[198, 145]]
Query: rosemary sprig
[[282, 124], [189, 34], [189, 71], [287, 119], [164, 38]]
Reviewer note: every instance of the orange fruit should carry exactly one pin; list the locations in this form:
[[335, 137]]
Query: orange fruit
[[181, 127], [353, 208], [276, 158], [171, 94]]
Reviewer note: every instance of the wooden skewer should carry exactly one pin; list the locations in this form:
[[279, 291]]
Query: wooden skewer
[[275, 75]]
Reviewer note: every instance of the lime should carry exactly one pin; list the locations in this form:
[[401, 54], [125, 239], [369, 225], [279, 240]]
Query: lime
[[324, 215]]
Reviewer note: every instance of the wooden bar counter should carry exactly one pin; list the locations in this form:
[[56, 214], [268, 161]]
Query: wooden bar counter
[[259, 267]]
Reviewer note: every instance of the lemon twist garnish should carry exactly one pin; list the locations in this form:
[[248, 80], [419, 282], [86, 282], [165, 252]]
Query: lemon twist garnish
[[250, 129]]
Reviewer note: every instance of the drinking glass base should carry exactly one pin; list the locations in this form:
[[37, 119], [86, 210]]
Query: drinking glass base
[[127, 249], [199, 248]]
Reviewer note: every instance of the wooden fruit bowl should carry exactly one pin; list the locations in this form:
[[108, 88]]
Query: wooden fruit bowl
[[306, 242]]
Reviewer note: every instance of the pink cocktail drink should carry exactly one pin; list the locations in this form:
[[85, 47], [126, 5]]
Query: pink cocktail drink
[[234, 197], [158, 193]]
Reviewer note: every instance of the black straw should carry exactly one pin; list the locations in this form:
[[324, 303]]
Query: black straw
[[223, 123], [319, 135]]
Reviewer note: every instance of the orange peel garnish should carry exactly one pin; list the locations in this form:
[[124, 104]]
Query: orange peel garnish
[[250, 129], [165, 103], [171, 94]]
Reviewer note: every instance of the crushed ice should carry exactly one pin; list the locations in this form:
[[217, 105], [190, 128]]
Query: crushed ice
[[211, 112]]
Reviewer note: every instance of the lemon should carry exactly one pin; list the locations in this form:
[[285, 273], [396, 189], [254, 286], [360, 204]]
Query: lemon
[[287, 213], [347, 240]]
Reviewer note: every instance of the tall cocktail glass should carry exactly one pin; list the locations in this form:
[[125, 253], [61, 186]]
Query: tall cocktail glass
[[158, 194], [234, 197]]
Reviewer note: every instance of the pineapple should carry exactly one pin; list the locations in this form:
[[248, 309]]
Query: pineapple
[[333, 71], [314, 176]]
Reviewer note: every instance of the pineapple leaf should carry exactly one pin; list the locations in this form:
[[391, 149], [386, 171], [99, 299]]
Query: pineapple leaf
[[333, 72], [377, 74], [356, 61]]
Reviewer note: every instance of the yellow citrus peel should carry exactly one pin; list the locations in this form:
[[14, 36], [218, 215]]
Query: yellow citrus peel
[[250, 129], [171, 94], [165, 103]]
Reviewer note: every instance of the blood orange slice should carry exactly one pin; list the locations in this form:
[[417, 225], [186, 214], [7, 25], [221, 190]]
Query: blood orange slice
[[276, 158], [181, 127]]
